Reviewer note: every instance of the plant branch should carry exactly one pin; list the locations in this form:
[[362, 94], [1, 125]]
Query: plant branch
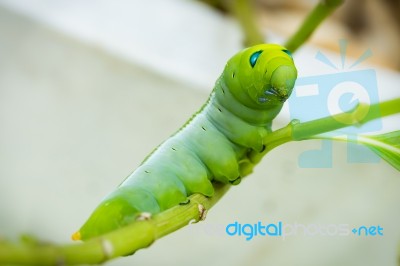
[[123, 241], [141, 234], [244, 12], [321, 11], [296, 131]]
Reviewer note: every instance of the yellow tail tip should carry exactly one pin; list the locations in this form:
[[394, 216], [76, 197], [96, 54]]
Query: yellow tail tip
[[76, 236]]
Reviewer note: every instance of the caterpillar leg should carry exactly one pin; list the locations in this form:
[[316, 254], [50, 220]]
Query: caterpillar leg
[[235, 129], [246, 168], [215, 151], [187, 167], [161, 181]]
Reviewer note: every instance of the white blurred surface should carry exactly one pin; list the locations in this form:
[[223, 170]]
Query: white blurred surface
[[168, 36], [87, 90]]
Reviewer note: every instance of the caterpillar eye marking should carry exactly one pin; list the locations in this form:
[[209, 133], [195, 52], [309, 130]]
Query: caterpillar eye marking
[[203, 128], [233, 74], [254, 57], [287, 52], [263, 99]]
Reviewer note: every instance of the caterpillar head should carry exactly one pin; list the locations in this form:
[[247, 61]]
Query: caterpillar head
[[261, 76]]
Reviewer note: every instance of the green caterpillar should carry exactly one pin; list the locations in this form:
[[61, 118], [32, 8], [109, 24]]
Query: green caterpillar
[[210, 146]]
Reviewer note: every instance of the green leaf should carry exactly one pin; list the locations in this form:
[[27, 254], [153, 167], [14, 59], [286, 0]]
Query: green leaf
[[387, 146]]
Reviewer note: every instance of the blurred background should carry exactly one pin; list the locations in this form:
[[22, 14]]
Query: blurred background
[[89, 88], [366, 24]]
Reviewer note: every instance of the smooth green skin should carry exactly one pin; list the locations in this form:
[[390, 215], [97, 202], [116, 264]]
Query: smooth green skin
[[210, 146]]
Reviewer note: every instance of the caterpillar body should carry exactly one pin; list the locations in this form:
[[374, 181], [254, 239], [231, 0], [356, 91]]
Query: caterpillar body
[[210, 146]]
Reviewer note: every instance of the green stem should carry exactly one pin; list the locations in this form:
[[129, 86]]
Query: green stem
[[361, 114], [321, 11], [296, 131], [141, 234], [244, 12], [212, 3], [216, 4]]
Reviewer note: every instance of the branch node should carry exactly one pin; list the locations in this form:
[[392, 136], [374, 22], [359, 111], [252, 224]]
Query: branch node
[[144, 216], [108, 248], [202, 212]]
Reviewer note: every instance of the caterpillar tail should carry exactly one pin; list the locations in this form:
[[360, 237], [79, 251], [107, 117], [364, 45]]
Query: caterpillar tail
[[119, 209]]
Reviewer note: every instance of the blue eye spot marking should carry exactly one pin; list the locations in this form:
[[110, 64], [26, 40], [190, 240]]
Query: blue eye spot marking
[[254, 57], [287, 52]]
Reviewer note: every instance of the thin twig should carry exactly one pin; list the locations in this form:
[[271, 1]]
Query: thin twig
[[321, 11], [243, 10]]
